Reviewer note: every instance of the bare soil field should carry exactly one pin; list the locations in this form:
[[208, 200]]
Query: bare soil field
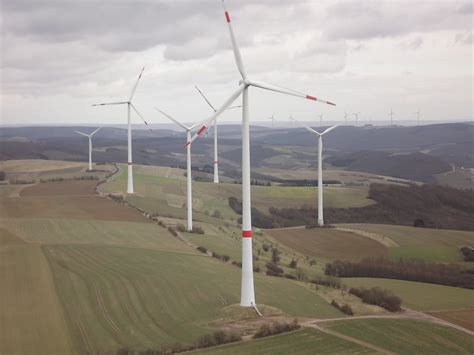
[[328, 243], [66, 199], [462, 317]]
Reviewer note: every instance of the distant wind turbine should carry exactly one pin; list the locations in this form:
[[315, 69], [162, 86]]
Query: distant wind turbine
[[247, 297], [129, 104], [418, 116], [345, 117], [189, 193], [391, 117], [320, 168], [216, 161], [273, 119], [356, 114], [90, 144], [321, 120]]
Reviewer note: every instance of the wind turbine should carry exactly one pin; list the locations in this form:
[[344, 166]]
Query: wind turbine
[[320, 168], [321, 120], [356, 114], [345, 117], [129, 104], [391, 117], [189, 192], [90, 144], [247, 296], [273, 119], [216, 161], [418, 116]]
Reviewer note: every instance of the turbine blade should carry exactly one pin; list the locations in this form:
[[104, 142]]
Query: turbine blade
[[204, 97], [282, 90], [330, 129], [172, 119], [97, 130], [139, 115], [136, 84], [235, 48], [82, 134], [305, 126], [111, 103], [207, 122], [232, 107]]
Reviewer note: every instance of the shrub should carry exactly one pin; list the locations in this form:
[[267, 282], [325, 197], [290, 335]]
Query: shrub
[[265, 247], [275, 255], [378, 296], [290, 276], [301, 275], [256, 268], [274, 270], [293, 264], [329, 281], [197, 230], [202, 249], [266, 330], [468, 253], [346, 309], [181, 228], [2, 175], [217, 214], [237, 263]]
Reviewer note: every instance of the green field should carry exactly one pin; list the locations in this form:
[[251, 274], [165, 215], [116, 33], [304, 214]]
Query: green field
[[304, 341], [115, 297], [168, 186], [420, 296], [436, 245], [407, 336]]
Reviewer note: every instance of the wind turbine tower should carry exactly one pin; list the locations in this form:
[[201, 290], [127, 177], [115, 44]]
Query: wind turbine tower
[[391, 117], [321, 120], [189, 192], [129, 148], [356, 114], [418, 117], [247, 297], [90, 144], [320, 169]]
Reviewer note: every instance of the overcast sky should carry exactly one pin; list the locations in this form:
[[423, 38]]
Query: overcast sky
[[58, 57]]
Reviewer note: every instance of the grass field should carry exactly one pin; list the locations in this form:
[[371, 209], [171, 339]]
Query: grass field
[[462, 317], [304, 341], [115, 297], [328, 243], [407, 336], [420, 243], [420, 296], [31, 318], [169, 186]]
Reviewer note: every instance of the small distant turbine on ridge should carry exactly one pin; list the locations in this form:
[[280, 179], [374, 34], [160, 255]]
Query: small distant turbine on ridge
[[273, 119], [391, 117], [216, 161], [90, 144], [189, 193], [345, 117], [418, 116], [321, 119], [129, 104], [320, 168], [356, 114]]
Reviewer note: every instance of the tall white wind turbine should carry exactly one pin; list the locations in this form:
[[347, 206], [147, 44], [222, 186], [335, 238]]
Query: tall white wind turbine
[[129, 104], [216, 160], [247, 296], [320, 168], [90, 144], [189, 192]]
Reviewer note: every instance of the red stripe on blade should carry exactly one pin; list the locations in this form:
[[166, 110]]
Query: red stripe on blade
[[246, 234], [186, 145], [201, 129], [309, 97], [227, 17]]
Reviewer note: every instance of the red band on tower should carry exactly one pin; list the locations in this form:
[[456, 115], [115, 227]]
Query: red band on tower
[[309, 97], [227, 17], [246, 234], [130, 163]]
